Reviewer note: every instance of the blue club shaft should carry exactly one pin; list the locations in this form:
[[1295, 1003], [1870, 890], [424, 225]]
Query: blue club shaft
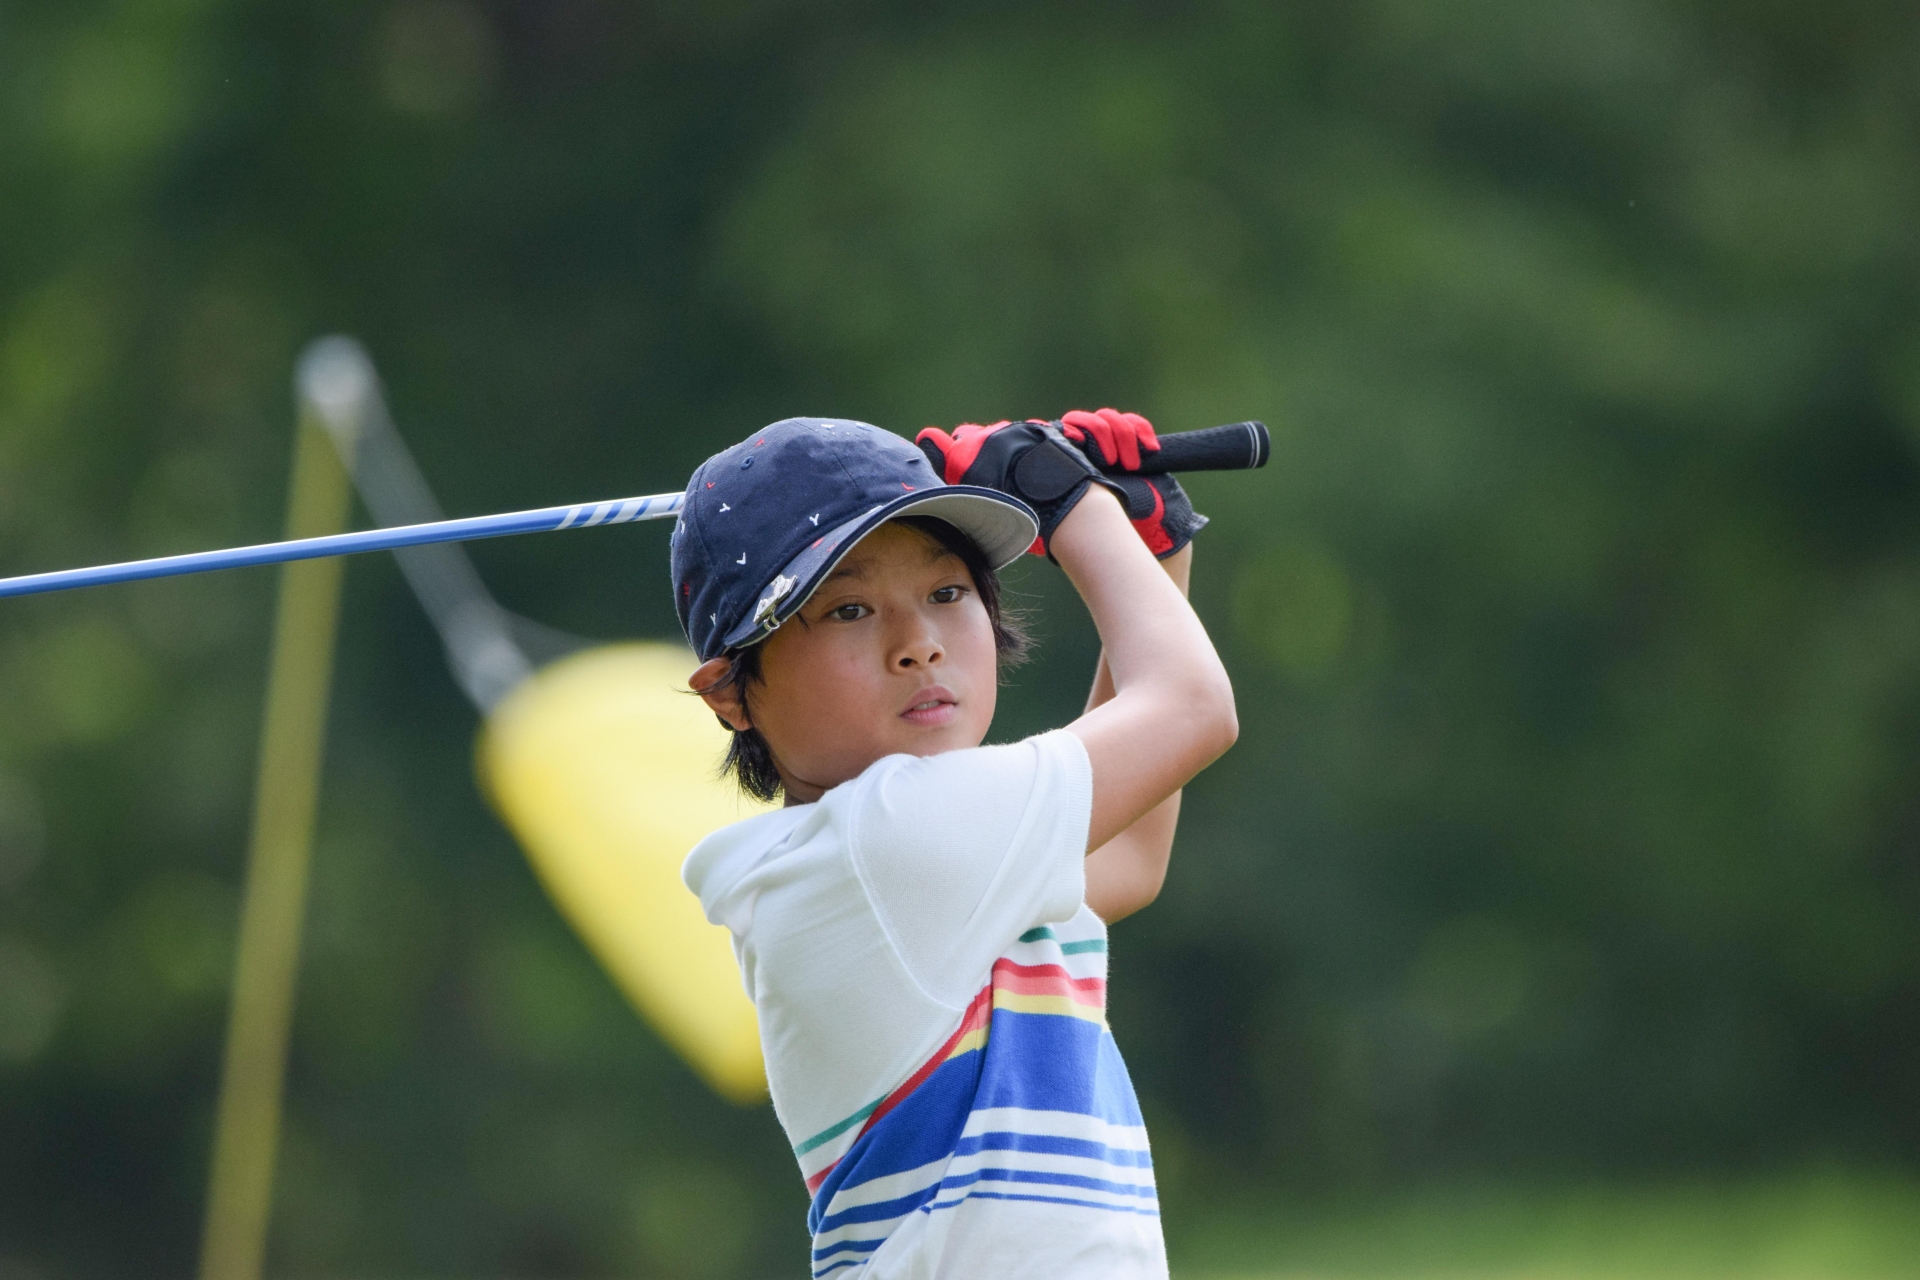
[[545, 520]]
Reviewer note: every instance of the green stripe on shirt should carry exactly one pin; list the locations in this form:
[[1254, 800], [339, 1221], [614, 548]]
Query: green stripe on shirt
[[828, 1135], [1046, 934]]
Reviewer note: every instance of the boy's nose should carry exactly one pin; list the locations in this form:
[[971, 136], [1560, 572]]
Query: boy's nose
[[921, 651]]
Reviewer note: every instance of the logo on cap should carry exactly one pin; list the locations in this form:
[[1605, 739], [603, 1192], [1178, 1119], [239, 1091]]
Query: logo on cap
[[777, 590]]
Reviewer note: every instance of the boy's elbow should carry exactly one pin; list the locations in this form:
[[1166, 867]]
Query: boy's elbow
[[1226, 723], [1213, 712]]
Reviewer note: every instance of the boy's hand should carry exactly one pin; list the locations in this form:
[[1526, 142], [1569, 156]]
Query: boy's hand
[[1119, 436], [1160, 512], [1157, 505], [1030, 460]]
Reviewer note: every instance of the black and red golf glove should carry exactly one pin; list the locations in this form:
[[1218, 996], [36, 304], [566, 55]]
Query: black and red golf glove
[[1104, 447], [1157, 505], [1160, 511], [1030, 460]]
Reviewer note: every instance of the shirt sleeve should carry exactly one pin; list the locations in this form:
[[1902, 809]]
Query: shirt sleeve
[[961, 853]]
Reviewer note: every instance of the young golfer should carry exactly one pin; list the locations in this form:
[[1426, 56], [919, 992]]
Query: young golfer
[[923, 926]]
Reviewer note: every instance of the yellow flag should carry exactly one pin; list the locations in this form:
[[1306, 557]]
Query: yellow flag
[[605, 769]]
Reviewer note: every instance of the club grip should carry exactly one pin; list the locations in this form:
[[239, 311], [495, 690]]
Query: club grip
[[1238, 446]]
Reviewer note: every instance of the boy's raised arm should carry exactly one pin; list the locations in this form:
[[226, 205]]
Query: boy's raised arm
[[1127, 872], [1172, 712]]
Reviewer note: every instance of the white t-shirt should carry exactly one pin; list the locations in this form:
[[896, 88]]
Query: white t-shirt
[[932, 997]]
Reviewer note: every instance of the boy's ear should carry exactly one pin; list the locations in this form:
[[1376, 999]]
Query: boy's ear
[[725, 700]]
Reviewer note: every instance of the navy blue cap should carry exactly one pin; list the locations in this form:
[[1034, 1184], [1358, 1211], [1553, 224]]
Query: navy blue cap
[[765, 521]]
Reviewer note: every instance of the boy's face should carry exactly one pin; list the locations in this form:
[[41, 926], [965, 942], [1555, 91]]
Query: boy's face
[[893, 653]]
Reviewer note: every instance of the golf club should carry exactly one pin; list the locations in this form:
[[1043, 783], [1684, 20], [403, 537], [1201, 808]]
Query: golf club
[[1236, 446]]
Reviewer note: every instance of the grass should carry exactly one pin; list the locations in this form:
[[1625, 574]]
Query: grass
[[1813, 1227]]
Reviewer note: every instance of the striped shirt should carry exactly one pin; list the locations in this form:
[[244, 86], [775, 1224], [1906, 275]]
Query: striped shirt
[[937, 981]]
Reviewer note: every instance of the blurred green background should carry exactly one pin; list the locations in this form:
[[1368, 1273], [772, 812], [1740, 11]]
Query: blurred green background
[[1555, 913]]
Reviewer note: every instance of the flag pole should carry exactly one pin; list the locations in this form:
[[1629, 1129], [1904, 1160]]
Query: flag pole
[[267, 958]]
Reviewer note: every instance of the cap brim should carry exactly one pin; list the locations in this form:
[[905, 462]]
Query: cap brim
[[1002, 527]]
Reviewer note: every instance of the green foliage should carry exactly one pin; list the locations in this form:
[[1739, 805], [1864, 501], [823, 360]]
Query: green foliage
[[1861, 1228], [1572, 827]]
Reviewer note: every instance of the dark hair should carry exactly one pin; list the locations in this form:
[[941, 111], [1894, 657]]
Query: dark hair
[[750, 759]]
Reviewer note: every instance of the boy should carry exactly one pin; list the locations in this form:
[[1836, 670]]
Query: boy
[[923, 927]]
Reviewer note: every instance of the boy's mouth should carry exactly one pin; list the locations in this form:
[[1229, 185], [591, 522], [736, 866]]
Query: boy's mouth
[[931, 706]]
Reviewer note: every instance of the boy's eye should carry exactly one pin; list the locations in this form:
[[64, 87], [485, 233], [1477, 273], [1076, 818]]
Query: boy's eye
[[850, 612], [946, 595]]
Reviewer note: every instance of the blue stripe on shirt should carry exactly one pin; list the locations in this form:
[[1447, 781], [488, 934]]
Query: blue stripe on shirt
[[1003, 1195], [922, 1129], [1052, 1179], [1043, 1062], [1046, 1144], [855, 1246]]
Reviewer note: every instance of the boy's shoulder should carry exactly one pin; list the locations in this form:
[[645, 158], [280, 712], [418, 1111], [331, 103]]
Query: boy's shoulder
[[725, 858], [977, 775], [906, 826], [733, 852]]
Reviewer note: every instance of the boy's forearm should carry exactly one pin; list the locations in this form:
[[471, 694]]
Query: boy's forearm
[[1149, 635], [1179, 567], [1172, 710], [1125, 874]]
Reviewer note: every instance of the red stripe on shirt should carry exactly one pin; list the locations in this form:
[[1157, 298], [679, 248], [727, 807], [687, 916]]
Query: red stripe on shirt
[[1049, 980], [978, 1015]]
